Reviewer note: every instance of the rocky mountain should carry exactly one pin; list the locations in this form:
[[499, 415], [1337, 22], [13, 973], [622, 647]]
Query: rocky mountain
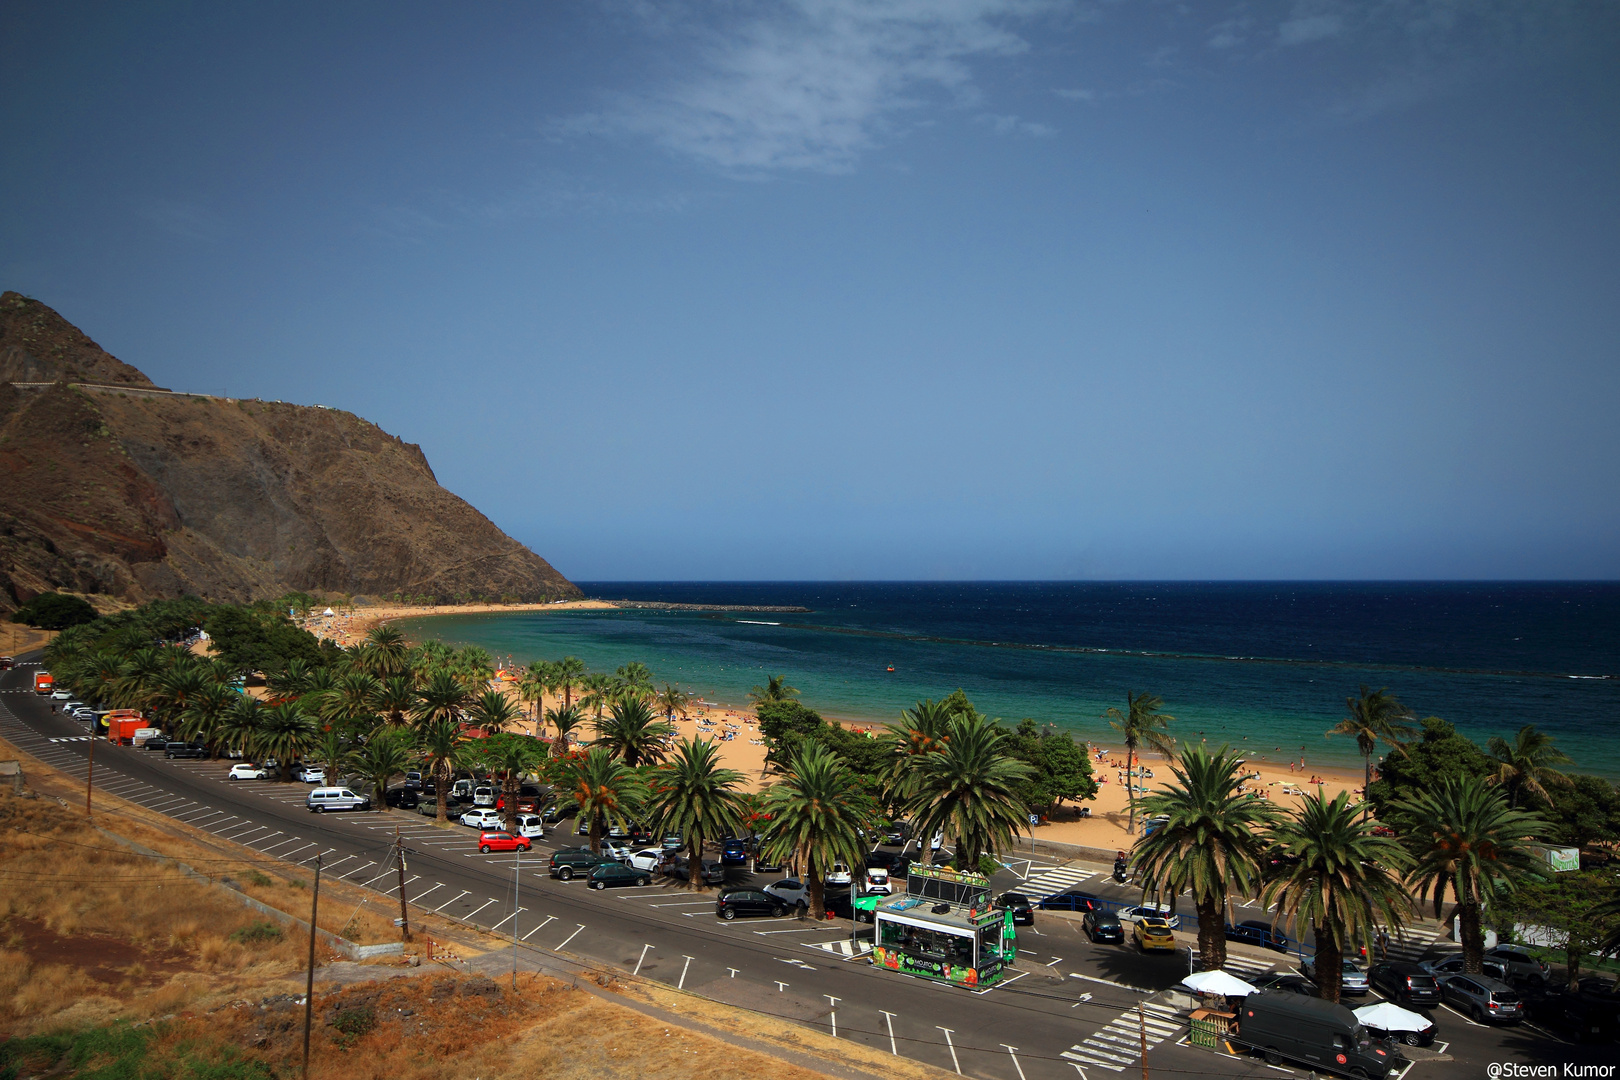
[[111, 485]]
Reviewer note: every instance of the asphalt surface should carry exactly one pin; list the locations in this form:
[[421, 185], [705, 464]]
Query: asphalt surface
[[1071, 1007]]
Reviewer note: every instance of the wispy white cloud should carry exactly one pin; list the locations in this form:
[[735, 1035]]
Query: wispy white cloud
[[1076, 94], [186, 220], [1013, 125], [814, 84]]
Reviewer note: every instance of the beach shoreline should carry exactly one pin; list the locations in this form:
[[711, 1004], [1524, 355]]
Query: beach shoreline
[[1104, 825]]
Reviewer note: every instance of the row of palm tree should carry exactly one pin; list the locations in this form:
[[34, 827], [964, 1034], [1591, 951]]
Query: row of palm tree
[[1340, 879]]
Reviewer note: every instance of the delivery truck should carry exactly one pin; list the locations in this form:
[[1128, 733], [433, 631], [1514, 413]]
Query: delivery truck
[[122, 724], [1284, 1026], [44, 682]]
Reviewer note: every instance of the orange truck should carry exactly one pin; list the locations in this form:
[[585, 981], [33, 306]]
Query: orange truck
[[122, 724], [44, 682]]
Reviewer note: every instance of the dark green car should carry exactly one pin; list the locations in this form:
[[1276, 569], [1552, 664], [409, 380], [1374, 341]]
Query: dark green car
[[613, 873], [567, 862]]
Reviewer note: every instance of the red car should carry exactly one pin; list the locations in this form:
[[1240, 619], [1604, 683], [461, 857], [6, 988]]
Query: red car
[[525, 803], [501, 841]]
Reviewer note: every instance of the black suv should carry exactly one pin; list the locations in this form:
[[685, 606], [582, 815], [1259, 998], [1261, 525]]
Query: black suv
[[1258, 932], [1070, 900], [1407, 984], [566, 862], [1018, 904], [405, 798], [185, 749]]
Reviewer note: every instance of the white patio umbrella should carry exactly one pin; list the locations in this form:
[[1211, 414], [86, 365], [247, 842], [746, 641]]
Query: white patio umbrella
[[1387, 1017], [1217, 982]]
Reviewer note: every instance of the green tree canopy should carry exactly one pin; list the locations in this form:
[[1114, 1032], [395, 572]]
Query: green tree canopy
[[1438, 753], [55, 611], [1059, 766], [783, 724], [252, 640]]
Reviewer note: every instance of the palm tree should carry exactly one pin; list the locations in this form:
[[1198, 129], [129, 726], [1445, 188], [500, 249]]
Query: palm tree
[[1375, 715], [291, 681], [395, 698], [513, 757], [352, 701], [387, 754], [1141, 722], [494, 711], [441, 699], [568, 671], [633, 732], [384, 653], [205, 714], [1344, 885], [172, 689], [242, 726], [775, 689], [1211, 844], [597, 693], [636, 675], [335, 752], [602, 790], [694, 796], [442, 749], [1526, 764], [672, 700], [817, 812], [565, 720], [537, 680], [923, 729], [968, 789], [1465, 837], [286, 733]]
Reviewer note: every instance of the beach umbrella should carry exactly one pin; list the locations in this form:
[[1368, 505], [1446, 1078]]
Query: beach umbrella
[[1387, 1017], [1217, 982]]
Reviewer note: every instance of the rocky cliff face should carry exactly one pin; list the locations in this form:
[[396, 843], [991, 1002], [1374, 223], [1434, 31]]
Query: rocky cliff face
[[108, 485]]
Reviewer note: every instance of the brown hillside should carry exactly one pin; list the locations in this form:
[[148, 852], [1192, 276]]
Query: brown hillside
[[138, 494]]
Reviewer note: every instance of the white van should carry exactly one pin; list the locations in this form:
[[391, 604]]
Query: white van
[[147, 734], [323, 799]]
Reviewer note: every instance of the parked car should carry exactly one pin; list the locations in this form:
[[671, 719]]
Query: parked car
[[713, 873], [1405, 984], [61, 695], [1321, 1035], [1070, 900], [1352, 976], [1284, 981], [483, 795], [310, 774], [501, 840], [898, 833], [649, 859], [877, 880], [673, 842], [611, 873], [1153, 935], [530, 827], [764, 864], [734, 850], [1258, 932], [1150, 911], [844, 904], [567, 862], [1588, 1015], [895, 863], [403, 798], [838, 874], [323, 799], [735, 902], [1422, 1037], [84, 715], [1453, 965], [71, 706], [413, 779], [481, 818], [1520, 965], [429, 807], [149, 739], [1486, 1000], [184, 750], [1103, 926], [616, 850], [791, 891], [1023, 912], [247, 771]]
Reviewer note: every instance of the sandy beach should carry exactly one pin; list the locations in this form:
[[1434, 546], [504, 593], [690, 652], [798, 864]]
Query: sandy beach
[[1104, 827]]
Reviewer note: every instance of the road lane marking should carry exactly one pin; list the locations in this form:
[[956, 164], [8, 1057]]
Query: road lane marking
[[952, 1045]]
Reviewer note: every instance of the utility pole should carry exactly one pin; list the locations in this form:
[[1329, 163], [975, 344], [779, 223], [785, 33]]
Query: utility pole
[[404, 913], [90, 773], [309, 983]]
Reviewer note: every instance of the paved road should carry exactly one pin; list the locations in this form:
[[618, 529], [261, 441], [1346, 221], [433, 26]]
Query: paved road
[[1071, 1008]]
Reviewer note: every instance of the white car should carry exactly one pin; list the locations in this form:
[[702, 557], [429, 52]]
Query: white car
[[61, 695], [247, 771], [529, 827], [616, 850], [647, 858], [877, 881], [312, 774], [791, 891], [482, 818], [1129, 915], [483, 796], [839, 875]]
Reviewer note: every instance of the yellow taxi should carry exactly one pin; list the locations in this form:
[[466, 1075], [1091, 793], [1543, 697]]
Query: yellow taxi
[[1153, 935]]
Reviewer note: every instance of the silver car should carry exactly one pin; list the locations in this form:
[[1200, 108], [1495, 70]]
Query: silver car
[[1519, 964], [790, 891], [1486, 1000], [1352, 976]]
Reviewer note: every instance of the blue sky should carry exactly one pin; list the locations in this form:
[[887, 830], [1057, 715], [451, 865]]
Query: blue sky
[[950, 289]]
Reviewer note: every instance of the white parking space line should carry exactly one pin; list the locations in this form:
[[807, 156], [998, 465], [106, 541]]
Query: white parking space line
[[424, 892], [395, 886], [542, 926], [284, 843], [244, 830], [266, 839], [340, 862], [481, 907], [317, 855], [569, 938], [447, 903], [295, 851], [504, 921], [358, 870]]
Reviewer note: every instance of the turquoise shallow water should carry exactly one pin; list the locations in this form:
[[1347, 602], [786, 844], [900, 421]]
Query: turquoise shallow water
[[1266, 668]]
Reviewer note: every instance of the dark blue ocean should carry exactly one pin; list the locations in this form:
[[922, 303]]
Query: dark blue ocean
[[1264, 666]]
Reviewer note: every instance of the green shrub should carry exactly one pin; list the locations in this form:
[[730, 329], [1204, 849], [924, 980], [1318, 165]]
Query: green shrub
[[256, 933]]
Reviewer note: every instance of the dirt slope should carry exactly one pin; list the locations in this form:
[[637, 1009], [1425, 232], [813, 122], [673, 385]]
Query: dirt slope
[[139, 494]]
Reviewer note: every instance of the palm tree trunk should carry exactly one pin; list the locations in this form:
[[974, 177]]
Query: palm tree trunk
[[818, 892], [1473, 938], [694, 863], [509, 790], [1329, 965], [1366, 784], [441, 784], [1130, 789], [1211, 933]]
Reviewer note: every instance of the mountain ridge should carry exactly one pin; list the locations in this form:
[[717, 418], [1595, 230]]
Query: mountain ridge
[[111, 485]]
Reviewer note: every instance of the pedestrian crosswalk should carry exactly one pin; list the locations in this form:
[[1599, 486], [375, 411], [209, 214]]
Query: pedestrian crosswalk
[[842, 947], [75, 738], [1247, 965], [1120, 1044], [1044, 881]]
